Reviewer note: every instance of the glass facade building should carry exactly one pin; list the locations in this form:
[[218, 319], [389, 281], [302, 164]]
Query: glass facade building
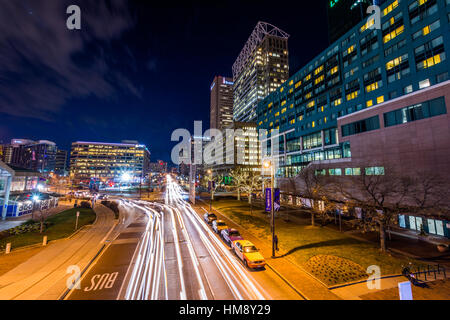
[[261, 68], [108, 161], [365, 67]]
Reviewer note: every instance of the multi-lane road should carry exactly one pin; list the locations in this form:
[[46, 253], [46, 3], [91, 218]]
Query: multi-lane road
[[165, 251]]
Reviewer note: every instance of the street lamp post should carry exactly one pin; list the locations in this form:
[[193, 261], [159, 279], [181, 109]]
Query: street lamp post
[[211, 186], [268, 164]]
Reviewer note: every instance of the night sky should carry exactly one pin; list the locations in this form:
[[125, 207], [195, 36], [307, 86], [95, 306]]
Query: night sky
[[134, 71]]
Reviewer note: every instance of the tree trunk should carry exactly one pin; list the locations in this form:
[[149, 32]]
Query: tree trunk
[[312, 219], [250, 198], [212, 195], [239, 195], [382, 238]]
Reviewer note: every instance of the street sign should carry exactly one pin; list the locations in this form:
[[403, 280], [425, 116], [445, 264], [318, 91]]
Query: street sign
[[405, 291], [268, 199]]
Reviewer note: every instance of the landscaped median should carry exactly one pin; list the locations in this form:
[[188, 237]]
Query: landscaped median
[[56, 227], [330, 256]]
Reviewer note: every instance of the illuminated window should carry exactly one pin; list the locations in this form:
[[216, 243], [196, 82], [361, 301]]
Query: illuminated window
[[369, 103], [334, 70], [352, 95], [283, 102], [292, 121], [380, 99], [308, 77], [372, 87], [283, 111], [277, 114], [367, 25], [318, 70], [311, 104], [391, 7], [298, 84], [319, 79], [291, 82], [351, 49], [393, 34], [395, 62], [337, 102], [427, 63]]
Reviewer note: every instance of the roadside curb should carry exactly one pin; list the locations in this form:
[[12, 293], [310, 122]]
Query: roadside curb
[[287, 282], [347, 284]]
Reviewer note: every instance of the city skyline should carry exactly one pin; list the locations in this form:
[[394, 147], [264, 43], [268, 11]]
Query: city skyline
[[148, 70]]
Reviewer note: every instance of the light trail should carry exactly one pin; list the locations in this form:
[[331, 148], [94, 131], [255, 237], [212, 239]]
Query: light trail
[[149, 278]]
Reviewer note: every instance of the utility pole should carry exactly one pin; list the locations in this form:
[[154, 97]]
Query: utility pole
[[272, 182], [269, 164]]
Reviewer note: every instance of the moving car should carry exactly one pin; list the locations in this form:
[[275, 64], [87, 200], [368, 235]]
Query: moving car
[[230, 235], [249, 254], [219, 225], [209, 217]]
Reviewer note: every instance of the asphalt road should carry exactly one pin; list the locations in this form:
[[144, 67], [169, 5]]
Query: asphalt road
[[166, 251]]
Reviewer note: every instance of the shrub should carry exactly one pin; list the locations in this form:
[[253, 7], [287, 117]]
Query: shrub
[[85, 205], [113, 206]]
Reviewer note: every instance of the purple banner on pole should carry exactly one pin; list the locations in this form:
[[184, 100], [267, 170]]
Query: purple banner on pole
[[276, 200], [268, 199]]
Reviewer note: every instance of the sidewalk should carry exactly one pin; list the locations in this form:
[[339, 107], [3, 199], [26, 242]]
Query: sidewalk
[[357, 290], [43, 276], [307, 285]]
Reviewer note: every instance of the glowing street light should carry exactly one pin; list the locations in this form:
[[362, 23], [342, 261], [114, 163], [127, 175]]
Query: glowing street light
[[125, 177]]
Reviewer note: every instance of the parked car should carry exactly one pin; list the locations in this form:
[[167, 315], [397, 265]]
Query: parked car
[[218, 226], [209, 217], [249, 254], [230, 235]]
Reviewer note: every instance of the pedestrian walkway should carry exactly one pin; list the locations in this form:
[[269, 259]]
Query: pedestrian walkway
[[307, 285], [43, 276], [357, 290]]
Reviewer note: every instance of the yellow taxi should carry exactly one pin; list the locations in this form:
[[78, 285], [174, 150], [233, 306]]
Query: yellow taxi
[[249, 254]]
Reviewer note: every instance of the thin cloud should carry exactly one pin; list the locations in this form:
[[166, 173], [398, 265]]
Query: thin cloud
[[43, 64]]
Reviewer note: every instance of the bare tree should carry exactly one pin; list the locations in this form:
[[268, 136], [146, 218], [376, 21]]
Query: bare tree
[[381, 196], [430, 194], [42, 215], [315, 187]]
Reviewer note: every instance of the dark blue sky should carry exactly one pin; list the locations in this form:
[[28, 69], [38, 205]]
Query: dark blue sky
[[134, 71]]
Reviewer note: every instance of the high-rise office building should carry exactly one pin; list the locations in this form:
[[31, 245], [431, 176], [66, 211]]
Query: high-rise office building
[[33, 155], [238, 148], [61, 167], [366, 69], [262, 66], [108, 161], [12, 152], [221, 112], [343, 15]]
